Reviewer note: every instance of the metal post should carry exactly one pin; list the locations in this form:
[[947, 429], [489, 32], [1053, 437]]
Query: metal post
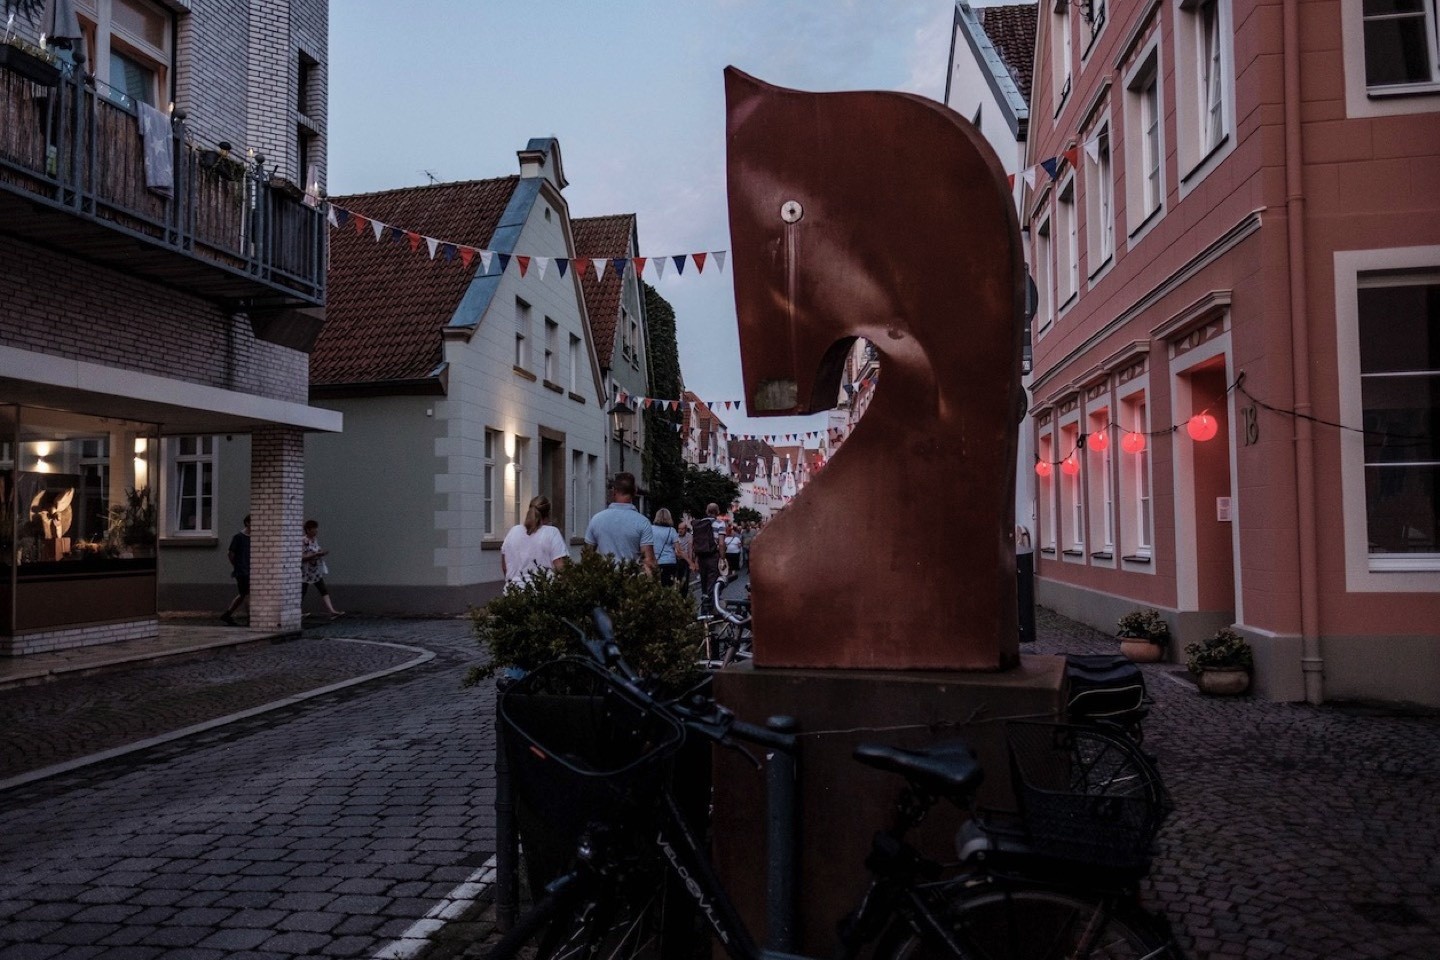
[[781, 840], [507, 852]]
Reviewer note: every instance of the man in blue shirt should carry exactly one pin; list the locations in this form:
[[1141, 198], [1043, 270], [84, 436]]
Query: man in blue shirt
[[620, 530]]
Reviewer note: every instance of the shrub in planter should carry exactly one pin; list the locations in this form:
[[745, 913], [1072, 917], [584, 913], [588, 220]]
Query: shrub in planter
[[1143, 635], [1225, 659]]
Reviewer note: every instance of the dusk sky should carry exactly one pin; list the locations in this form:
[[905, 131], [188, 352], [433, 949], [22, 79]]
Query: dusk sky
[[632, 90]]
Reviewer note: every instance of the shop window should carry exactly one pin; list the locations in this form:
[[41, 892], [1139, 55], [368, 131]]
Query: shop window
[[492, 447], [190, 497], [130, 45], [1099, 203], [1400, 43], [1399, 327]]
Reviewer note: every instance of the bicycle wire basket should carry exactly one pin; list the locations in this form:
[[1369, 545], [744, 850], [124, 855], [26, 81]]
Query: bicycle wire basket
[[1085, 794], [581, 747]]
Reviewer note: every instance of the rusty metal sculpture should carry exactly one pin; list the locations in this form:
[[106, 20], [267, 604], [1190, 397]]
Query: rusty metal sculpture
[[884, 216]]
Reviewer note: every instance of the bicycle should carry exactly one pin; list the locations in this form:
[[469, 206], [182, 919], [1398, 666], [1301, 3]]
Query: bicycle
[[1010, 896], [728, 630]]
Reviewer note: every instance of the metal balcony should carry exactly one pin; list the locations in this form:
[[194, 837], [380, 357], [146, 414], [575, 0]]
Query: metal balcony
[[72, 177]]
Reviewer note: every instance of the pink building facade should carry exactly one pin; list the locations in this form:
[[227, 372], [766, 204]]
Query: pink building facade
[[1248, 229]]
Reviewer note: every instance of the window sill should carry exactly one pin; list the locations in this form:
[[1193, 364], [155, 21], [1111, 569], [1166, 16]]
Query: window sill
[[1104, 265], [551, 385], [525, 373], [1421, 563], [185, 542], [1199, 166], [1402, 90], [577, 541], [490, 544], [1137, 558], [1102, 555], [1150, 218], [1074, 553], [576, 397]]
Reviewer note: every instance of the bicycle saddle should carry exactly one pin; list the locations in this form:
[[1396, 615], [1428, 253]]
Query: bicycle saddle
[[947, 768]]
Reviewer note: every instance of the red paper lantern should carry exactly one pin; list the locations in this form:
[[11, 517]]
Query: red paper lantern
[[1070, 465], [1099, 440], [1132, 442], [1202, 427], [1042, 469]]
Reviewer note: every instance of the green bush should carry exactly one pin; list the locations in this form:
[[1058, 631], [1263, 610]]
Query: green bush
[[654, 625], [1144, 625], [1226, 649]]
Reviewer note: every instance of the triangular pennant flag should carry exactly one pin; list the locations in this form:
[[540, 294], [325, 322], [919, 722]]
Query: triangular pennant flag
[[562, 264], [639, 266], [1011, 181], [1072, 156], [620, 263], [360, 223], [414, 239], [524, 262], [342, 216], [504, 261], [599, 263], [1029, 176], [679, 260], [331, 218], [581, 263], [719, 258], [699, 259], [1092, 149], [447, 250], [1050, 166], [542, 264], [659, 267], [647, 403], [467, 254], [379, 229], [485, 257], [396, 233], [433, 244]]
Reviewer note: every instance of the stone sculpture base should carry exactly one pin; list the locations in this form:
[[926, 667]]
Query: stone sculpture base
[[843, 804]]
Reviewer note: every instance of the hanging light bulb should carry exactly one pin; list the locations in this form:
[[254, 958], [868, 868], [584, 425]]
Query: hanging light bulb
[[1099, 440], [1070, 466], [1043, 469], [1133, 442], [1202, 427]]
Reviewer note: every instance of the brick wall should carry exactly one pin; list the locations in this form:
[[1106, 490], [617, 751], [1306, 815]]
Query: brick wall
[[277, 504], [88, 636]]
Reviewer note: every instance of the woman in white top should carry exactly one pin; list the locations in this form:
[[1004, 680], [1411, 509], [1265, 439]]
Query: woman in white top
[[532, 545]]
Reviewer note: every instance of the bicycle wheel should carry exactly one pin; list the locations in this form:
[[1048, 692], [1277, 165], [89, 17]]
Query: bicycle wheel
[[1106, 764], [569, 926], [1034, 924]]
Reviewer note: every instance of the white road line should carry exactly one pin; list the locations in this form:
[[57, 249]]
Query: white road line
[[454, 906]]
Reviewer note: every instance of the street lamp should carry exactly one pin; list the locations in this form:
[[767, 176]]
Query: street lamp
[[620, 409]]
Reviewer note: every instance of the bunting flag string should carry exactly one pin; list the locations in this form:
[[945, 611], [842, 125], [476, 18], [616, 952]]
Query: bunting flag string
[[339, 218], [1051, 165]]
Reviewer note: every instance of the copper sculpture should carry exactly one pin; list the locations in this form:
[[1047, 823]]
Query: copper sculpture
[[884, 216]]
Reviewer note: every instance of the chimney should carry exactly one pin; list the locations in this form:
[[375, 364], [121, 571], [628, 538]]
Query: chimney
[[541, 158]]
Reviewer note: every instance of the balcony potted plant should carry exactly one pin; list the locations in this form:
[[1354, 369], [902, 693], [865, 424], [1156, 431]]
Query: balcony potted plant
[[1222, 663], [1143, 635], [35, 64]]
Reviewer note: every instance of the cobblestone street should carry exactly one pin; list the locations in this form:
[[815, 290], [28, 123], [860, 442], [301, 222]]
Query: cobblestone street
[[342, 825]]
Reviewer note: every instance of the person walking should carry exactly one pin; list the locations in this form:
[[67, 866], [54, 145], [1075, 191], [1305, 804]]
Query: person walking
[[239, 555], [620, 530], [313, 568], [709, 543], [685, 558], [532, 545], [747, 536], [667, 538], [732, 551]]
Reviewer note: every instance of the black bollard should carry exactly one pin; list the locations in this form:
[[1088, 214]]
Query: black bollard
[[782, 840], [1025, 593]]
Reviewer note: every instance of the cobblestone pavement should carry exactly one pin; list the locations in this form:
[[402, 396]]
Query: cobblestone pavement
[[327, 828], [51, 723], [1299, 832]]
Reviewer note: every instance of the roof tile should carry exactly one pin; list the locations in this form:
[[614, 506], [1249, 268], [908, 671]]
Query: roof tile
[[1012, 29], [603, 237]]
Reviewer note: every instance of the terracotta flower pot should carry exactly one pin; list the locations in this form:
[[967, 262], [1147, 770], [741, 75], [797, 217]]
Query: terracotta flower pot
[[1141, 650], [1223, 681]]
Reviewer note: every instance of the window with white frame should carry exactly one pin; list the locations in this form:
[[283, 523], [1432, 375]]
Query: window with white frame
[[522, 333], [577, 360], [1402, 48], [1067, 248], [1100, 475], [1060, 52], [1044, 284], [1135, 506], [1144, 142], [552, 344], [190, 499], [1099, 200], [592, 474], [1399, 339], [1204, 84], [1094, 14], [518, 464], [577, 505], [1045, 494], [492, 448], [634, 339], [625, 348], [130, 44], [1072, 496]]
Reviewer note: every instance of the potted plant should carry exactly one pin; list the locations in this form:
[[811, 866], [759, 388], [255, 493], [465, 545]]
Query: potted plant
[[529, 625], [1222, 663], [1143, 635], [35, 64], [131, 529]]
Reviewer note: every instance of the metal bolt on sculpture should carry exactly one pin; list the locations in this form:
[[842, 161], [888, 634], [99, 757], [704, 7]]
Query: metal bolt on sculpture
[[884, 216]]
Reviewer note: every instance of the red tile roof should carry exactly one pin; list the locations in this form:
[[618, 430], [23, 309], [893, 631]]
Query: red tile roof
[[385, 305], [603, 237], [1012, 30], [745, 457]]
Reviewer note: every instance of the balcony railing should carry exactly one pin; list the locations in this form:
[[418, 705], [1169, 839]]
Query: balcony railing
[[76, 156]]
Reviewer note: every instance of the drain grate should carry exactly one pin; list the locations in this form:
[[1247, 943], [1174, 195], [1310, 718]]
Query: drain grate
[[1398, 914]]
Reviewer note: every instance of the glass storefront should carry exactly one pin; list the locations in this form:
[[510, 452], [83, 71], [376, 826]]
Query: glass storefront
[[77, 519]]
